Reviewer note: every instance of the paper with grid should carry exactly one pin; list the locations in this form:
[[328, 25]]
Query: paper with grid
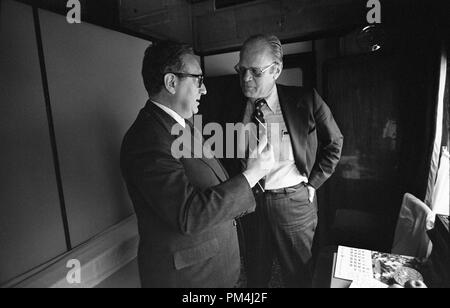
[[353, 263]]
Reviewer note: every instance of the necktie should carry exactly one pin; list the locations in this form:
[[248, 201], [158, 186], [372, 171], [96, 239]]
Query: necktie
[[258, 115], [258, 119]]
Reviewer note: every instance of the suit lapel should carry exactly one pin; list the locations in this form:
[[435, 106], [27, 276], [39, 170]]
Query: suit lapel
[[161, 116], [295, 114], [213, 163], [240, 110], [168, 122]]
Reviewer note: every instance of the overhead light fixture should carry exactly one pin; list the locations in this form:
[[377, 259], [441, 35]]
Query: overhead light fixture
[[371, 38]]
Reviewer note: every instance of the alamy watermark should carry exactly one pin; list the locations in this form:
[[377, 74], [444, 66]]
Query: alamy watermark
[[241, 140], [74, 14], [74, 274], [374, 14]]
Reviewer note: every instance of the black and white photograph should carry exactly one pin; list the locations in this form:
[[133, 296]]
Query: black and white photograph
[[224, 150]]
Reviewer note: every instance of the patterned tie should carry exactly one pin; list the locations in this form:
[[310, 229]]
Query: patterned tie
[[258, 119], [258, 115]]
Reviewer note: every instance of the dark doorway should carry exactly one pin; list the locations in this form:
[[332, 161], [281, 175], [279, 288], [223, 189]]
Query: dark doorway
[[363, 196]]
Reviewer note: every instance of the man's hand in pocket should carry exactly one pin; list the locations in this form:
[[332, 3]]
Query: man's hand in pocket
[[311, 193]]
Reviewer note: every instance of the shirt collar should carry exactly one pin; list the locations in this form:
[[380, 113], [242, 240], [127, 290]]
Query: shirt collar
[[273, 100], [172, 113]]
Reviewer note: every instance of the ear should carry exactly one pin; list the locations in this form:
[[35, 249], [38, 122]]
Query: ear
[[278, 70], [170, 83]]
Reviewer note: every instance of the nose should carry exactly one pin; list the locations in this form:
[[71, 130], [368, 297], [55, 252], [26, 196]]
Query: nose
[[247, 76], [203, 90]]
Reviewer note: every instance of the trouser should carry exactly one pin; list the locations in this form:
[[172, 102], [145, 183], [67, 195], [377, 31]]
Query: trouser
[[283, 224]]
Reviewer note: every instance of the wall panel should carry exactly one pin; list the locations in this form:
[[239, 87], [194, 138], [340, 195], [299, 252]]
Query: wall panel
[[96, 92], [31, 230]]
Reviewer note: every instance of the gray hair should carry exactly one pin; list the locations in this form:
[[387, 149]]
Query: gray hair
[[271, 41]]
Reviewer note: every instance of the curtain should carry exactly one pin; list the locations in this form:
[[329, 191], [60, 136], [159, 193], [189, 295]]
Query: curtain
[[438, 149], [420, 75], [439, 188], [441, 192]]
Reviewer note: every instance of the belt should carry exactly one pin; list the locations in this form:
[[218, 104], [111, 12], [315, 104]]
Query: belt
[[286, 189]]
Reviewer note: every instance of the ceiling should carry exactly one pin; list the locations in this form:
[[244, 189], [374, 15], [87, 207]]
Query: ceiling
[[209, 28], [223, 24]]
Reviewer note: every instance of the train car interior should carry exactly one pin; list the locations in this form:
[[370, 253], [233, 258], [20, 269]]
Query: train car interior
[[71, 86]]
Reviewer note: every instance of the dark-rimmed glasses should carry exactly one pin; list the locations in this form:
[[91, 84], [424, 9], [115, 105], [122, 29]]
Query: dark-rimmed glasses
[[200, 78], [255, 71]]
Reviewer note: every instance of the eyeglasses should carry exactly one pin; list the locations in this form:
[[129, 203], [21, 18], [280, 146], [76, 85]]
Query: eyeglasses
[[200, 78], [255, 71]]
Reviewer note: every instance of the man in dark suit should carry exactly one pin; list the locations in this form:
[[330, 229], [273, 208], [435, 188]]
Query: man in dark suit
[[307, 144], [186, 207]]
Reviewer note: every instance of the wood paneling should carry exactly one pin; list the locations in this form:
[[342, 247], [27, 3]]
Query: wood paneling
[[285, 18], [99, 12], [161, 19]]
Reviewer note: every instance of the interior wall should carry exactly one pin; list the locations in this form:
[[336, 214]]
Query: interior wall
[[291, 77], [31, 230], [96, 92], [325, 49]]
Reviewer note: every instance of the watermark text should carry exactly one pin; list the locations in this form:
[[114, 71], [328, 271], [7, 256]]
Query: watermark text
[[374, 14], [74, 14], [74, 274]]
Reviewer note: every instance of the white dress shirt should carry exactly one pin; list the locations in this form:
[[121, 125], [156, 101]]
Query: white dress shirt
[[284, 173], [172, 113]]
